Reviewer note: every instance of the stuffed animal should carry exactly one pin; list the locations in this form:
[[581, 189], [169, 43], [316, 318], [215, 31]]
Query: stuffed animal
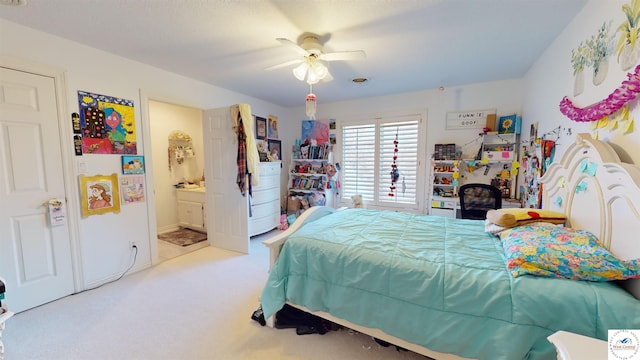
[[284, 224], [357, 201]]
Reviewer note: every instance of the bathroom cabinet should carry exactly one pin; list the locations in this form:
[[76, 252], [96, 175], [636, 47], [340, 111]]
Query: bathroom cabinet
[[192, 212]]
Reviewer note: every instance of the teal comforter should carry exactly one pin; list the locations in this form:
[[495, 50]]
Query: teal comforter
[[438, 282]]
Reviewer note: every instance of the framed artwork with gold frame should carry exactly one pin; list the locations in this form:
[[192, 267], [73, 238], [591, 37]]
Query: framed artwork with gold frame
[[100, 194]]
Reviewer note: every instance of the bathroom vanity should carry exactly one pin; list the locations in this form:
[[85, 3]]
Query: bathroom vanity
[[192, 211]]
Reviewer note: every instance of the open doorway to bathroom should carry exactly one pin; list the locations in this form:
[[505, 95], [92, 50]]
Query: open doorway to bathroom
[[178, 173]]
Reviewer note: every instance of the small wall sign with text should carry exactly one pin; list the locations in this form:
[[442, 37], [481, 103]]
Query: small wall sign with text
[[474, 119]]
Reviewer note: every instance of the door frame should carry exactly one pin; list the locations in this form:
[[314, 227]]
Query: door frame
[[145, 97], [71, 187]]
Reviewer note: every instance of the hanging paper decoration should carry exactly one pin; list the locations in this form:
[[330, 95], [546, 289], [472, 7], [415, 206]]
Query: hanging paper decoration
[[548, 152], [311, 105], [395, 174], [628, 91]]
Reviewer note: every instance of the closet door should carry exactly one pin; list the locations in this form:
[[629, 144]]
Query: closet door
[[227, 209], [35, 255]]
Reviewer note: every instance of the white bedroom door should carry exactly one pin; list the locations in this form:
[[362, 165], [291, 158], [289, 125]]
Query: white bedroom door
[[35, 258], [227, 209]]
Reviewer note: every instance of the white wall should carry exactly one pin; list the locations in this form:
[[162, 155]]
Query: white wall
[[551, 78], [103, 240]]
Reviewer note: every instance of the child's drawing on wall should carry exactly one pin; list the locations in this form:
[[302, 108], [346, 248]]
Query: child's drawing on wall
[[100, 197]]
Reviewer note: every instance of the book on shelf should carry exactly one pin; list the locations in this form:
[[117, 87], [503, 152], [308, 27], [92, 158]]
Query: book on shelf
[[311, 152]]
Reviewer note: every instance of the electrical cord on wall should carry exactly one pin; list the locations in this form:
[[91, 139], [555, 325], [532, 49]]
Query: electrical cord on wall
[[135, 256]]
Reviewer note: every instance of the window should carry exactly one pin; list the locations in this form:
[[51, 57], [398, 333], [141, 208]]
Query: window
[[367, 156]]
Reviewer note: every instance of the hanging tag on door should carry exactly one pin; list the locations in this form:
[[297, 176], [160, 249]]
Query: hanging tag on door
[[57, 212]]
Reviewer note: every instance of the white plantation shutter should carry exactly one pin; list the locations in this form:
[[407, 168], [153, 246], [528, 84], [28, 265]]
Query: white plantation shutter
[[358, 161], [367, 155], [407, 161]]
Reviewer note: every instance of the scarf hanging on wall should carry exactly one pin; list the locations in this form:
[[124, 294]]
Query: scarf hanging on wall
[[241, 158]]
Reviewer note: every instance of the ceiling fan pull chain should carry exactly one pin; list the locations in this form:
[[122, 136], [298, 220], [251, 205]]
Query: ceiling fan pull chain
[[311, 104]]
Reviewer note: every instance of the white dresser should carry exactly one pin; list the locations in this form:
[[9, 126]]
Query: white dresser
[[264, 214]]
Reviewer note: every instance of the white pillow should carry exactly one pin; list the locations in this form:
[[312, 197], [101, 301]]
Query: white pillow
[[493, 228]]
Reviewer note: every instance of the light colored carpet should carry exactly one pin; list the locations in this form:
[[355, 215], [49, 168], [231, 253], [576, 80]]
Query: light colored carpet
[[167, 250], [196, 306]]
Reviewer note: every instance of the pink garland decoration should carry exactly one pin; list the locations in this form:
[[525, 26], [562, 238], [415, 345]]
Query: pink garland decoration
[[617, 99]]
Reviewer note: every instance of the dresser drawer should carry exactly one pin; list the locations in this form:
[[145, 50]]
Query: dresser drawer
[[267, 182], [262, 225], [264, 217], [265, 195], [269, 168], [269, 208]]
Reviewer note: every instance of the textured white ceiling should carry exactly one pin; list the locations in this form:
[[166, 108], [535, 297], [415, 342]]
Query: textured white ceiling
[[410, 44]]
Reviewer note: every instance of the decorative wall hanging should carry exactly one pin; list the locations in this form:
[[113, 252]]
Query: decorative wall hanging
[[468, 119], [600, 47], [77, 144], [100, 194], [548, 148], [132, 164], [274, 150], [180, 147], [509, 124], [261, 128], [107, 124], [310, 102], [578, 62], [75, 122], [627, 92], [594, 53], [626, 49], [395, 174], [77, 133], [317, 130], [272, 130], [132, 189]]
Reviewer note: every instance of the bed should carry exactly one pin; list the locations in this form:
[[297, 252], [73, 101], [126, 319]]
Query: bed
[[440, 286]]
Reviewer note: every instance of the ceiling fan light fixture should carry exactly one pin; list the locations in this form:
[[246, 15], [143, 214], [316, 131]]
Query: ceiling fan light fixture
[[300, 71], [311, 71], [320, 70], [312, 68]]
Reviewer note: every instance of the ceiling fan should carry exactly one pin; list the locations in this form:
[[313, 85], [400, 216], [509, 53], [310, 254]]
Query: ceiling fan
[[312, 68]]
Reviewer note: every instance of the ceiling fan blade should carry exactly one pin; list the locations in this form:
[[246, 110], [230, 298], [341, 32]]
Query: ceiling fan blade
[[297, 48], [343, 55], [284, 64]]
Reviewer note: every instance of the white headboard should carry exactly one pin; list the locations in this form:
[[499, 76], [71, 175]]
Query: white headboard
[[598, 193]]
